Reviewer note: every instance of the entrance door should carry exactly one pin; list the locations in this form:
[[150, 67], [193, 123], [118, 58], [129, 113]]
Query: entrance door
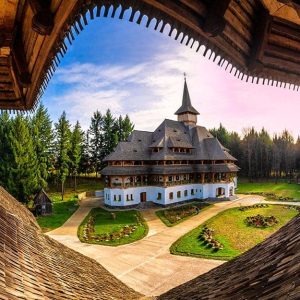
[[220, 192], [143, 197]]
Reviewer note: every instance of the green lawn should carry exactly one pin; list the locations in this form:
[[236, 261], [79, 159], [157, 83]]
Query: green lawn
[[62, 210], [105, 224], [231, 230], [291, 191], [175, 215]]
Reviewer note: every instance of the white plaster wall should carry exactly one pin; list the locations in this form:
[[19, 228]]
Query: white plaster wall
[[99, 193], [201, 191]]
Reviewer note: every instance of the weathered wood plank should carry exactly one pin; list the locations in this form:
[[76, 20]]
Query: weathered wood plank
[[284, 42], [9, 95], [5, 85], [215, 23], [282, 64], [285, 30], [60, 18], [198, 6], [237, 25], [236, 39], [283, 53]]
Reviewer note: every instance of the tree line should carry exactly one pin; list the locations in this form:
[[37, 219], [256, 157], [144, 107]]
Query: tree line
[[35, 151], [260, 155]]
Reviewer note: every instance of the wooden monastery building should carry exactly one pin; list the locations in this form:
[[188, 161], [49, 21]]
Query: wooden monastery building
[[177, 162]]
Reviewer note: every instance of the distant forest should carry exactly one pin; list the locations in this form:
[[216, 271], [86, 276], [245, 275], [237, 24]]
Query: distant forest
[[261, 156], [34, 151]]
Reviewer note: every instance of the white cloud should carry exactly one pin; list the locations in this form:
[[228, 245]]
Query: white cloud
[[151, 91]]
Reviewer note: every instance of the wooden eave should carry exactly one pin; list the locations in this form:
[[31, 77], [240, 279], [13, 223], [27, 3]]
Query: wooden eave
[[248, 38]]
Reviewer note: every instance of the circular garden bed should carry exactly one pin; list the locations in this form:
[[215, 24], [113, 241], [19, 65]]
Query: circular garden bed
[[112, 228]]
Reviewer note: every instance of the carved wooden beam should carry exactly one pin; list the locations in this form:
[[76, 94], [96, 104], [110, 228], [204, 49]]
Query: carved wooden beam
[[19, 63], [261, 31], [43, 20], [214, 23]]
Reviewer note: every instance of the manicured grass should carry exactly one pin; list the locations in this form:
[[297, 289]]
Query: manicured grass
[[105, 224], [285, 190], [231, 230], [180, 213], [62, 210]]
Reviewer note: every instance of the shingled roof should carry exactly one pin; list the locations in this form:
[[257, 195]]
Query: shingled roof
[[268, 271], [170, 134], [33, 266], [186, 106]]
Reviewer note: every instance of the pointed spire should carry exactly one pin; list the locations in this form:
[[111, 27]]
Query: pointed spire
[[186, 106]]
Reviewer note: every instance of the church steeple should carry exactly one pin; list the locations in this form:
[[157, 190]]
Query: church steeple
[[187, 113]]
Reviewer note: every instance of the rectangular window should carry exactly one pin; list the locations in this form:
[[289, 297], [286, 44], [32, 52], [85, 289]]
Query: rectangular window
[[119, 198], [177, 177], [192, 192], [178, 194], [185, 193], [127, 197], [170, 178], [159, 196], [131, 197], [171, 196], [115, 197]]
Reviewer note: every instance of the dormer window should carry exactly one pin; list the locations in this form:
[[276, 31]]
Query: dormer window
[[139, 140], [134, 150]]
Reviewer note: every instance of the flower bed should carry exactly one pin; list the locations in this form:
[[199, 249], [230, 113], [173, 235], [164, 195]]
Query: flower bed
[[260, 205], [260, 221], [175, 215], [206, 236], [90, 235], [293, 207], [112, 228]]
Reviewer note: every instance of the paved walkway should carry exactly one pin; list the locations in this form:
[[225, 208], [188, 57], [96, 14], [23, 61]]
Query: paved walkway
[[146, 265]]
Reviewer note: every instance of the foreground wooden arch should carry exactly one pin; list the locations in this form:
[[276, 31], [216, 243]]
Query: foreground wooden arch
[[256, 40]]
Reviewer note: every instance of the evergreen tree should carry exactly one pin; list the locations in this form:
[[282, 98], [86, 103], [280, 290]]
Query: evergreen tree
[[76, 151], [63, 146], [6, 157], [85, 162], [96, 140], [127, 128], [221, 134], [41, 128], [24, 163], [109, 138]]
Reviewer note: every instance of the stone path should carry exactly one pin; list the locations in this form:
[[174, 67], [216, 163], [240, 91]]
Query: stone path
[[146, 265]]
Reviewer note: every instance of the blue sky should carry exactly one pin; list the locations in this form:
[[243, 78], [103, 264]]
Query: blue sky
[[137, 71]]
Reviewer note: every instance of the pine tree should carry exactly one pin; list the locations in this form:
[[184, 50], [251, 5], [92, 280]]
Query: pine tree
[[76, 151], [6, 157], [109, 130], [85, 162], [63, 146], [41, 128], [24, 163], [96, 140], [127, 128]]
